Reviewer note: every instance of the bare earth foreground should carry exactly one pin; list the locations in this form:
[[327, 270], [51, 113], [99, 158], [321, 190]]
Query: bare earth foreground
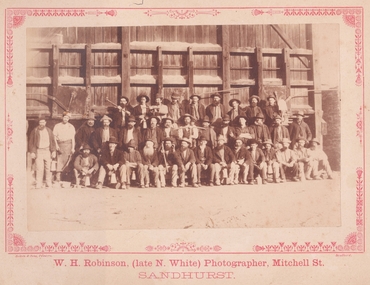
[[292, 204]]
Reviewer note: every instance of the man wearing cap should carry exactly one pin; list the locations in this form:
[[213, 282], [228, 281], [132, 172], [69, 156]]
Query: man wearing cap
[[319, 160], [85, 166], [128, 133], [261, 131], [298, 128], [272, 166], [253, 109], [244, 132], [41, 146], [112, 163], [203, 159], [223, 163], [303, 160], [287, 160], [208, 132], [121, 114], [84, 133], [258, 161], [243, 162], [153, 132], [168, 162], [188, 129], [278, 131], [175, 109], [195, 108], [150, 164], [64, 135], [142, 110], [187, 163], [235, 111], [134, 163], [102, 135], [159, 109], [271, 110], [227, 131], [215, 111]]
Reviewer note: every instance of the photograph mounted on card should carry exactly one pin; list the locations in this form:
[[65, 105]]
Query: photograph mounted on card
[[216, 135]]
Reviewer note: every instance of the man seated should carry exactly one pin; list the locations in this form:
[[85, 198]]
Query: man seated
[[243, 164], [112, 163], [303, 160], [203, 159], [168, 162], [187, 163], [258, 161], [287, 160], [134, 164], [85, 166], [150, 163], [222, 164], [319, 160], [272, 166]]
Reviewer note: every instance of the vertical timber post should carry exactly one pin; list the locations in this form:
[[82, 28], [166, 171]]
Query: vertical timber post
[[225, 63], [125, 62], [160, 71], [88, 79], [286, 52], [190, 71], [55, 78], [260, 73]]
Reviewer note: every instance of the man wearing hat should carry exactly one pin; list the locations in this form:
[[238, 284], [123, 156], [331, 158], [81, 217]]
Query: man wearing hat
[[85, 166], [271, 110], [298, 128], [208, 132], [84, 133], [42, 148], [112, 164], [102, 135], [159, 109], [187, 163], [168, 162], [150, 164], [261, 131], [142, 110], [272, 166], [188, 129], [167, 130], [64, 135], [278, 131], [215, 111], [223, 163], [242, 131], [235, 111], [319, 160], [195, 108], [253, 109], [134, 163], [243, 162], [303, 160], [287, 161], [129, 132], [121, 114], [228, 132], [203, 159], [153, 132], [258, 162], [175, 109]]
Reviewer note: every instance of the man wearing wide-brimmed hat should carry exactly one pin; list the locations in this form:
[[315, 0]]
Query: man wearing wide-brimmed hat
[[64, 134], [278, 131], [187, 163], [167, 130], [196, 109], [203, 160], [102, 135], [168, 162], [142, 110], [271, 110], [121, 114], [243, 162], [112, 164], [84, 133], [129, 132], [243, 131], [253, 109], [298, 128], [272, 166], [188, 129], [153, 132], [261, 131], [227, 131], [235, 111], [208, 132], [319, 160], [303, 159], [258, 161], [287, 161], [159, 109], [85, 166], [134, 163], [215, 111], [175, 109]]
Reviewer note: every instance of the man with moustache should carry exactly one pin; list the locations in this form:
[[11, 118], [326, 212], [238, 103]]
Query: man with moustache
[[278, 131], [227, 131], [153, 132], [142, 110], [41, 146], [159, 109], [175, 109], [187, 163], [298, 128], [150, 164], [102, 135], [85, 166], [84, 133], [168, 162], [261, 131], [258, 161], [215, 111], [188, 129], [134, 163], [272, 166], [253, 109], [208, 132], [243, 162], [271, 110], [235, 111], [122, 113], [128, 133], [244, 132], [195, 109], [303, 160], [167, 130], [287, 161], [203, 160]]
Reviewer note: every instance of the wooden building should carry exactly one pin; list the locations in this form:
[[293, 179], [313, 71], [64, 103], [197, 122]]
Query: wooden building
[[100, 63]]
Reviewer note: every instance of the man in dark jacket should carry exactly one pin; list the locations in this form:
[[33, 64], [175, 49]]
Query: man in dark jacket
[[195, 109], [122, 113], [84, 133], [278, 131], [258, 159], [299, 129], [203, 159], [102, 135], [129, 132], [235, 111], [85, 166], [243, 162], [149, 157], [187, 163], [253, 109], [134, 163], [261, 131], [168, 162], [215, 111]]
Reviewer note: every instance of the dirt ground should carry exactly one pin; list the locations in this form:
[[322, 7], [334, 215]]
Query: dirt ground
[[291, 204]]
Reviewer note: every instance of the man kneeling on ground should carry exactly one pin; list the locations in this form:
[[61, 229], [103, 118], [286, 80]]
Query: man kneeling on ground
[[85, 166]]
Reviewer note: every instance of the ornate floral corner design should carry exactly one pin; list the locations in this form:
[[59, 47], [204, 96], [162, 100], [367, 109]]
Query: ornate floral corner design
[[183, 247], [9, 132], [181, 13], [359, 125], [353, 242]]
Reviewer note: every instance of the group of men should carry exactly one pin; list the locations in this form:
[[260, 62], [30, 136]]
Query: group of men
[[180, 143]]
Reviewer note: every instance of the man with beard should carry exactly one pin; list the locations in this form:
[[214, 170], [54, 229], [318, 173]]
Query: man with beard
[[215, 111], [227, 131], [42, 148], [121, 114], [64, 135], [102, 135], [287, 161], [208, 132], [258, 161], [134, 163], [223, 161], [85, 166], [129, 132], [187, 163], [168, 162], [278, 131], [150, 164], [235, 111], [167, 130], [261, 131], [142, 110], [253, 109], [83, 134], [270, 158], [244, 132], [319, 159], [159, 109], [271, 110], [303, 160], [175, 109], [112, 163], [299, 129], [188, 130], [153, 133], [243, 165], [203, 159], [195, 108]]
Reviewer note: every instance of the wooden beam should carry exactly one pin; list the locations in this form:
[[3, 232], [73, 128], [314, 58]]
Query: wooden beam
[[88, 73], [160, 70], [54, 79], [260, 73], [191, 71], [226, 77], [125, 62], [287, 71]]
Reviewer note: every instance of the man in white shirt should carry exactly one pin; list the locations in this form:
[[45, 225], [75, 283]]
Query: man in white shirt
[[319, 160]]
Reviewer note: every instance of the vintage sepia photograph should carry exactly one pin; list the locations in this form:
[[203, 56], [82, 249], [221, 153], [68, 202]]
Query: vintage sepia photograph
[[183, 127]]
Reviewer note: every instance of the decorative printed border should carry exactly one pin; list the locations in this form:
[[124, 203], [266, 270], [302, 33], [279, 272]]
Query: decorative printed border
[[9, 131], [359, 125], [181, 14], [184, 247]]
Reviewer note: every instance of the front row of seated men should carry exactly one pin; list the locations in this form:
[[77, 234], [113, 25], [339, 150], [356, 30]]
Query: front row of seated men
[[222, 165]]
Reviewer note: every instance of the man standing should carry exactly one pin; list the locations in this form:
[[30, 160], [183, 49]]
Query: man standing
[[243, 164], [253, 109], [215, 111], [134, 163], [278, 131], [167, 130], [102, 135], [271, 110], [208, 132], [195, 109], [85, 166], [42, 148], [244, 132], [84, 133], [227, 131], [188, 129], [319, 159], [159, 109], [64, 134], [299, 129], [150, 163], [187, 163], [235, 111], [258, 161], [142, 111], [168, 162], [123, 111], [261, 131], [287, 161], [175, 109], [128, 133], [112, 163], [153, 133], [203, 159]]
